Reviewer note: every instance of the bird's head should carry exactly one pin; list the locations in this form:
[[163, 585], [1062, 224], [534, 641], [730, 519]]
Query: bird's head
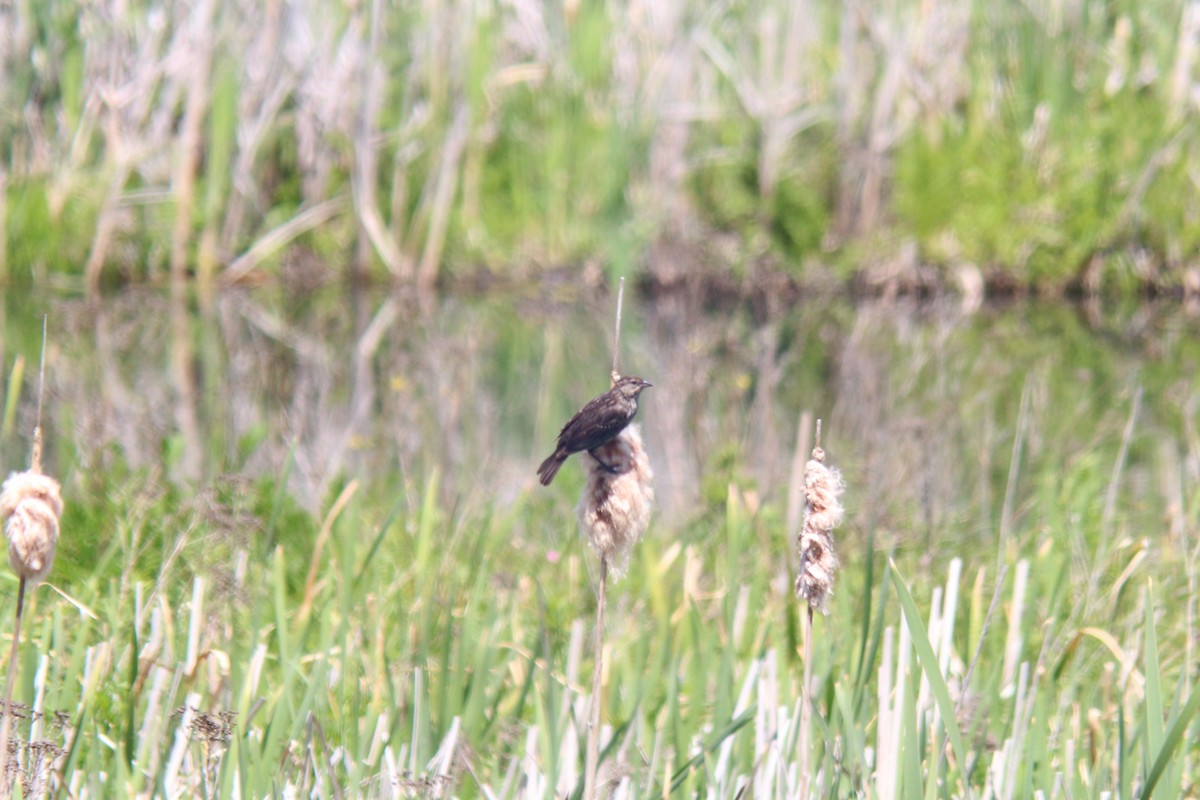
[[631, 386]]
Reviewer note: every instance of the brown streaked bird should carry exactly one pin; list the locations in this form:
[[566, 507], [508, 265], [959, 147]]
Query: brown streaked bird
[[596, 423]]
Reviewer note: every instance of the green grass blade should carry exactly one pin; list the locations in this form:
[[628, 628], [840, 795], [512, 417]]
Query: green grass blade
[[1170, 743], [425, 524], [937, 682], [1154, 702], [855, 744], [1124, 773], [277, 499], [868, 582], [736, 724], [1153, 744], [911, 774], [378, 540], [863, 680]]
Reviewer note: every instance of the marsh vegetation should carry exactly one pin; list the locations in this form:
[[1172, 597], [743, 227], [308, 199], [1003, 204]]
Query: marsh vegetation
[[349, 582], [303, 549], [910, 144]]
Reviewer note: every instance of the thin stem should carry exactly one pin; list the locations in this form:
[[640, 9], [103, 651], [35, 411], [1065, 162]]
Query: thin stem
[[590, 789], [1014, 469], [1110, 498], [806, 702], [966, 681], [617, 331], [987, 621], [5, 788], [42, 373], [36, 457]]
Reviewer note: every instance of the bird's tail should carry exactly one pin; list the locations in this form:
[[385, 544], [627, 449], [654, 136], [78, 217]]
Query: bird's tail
[[549, 467]]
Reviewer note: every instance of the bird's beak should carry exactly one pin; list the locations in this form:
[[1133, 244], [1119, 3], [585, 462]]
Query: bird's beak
[[646, 384]]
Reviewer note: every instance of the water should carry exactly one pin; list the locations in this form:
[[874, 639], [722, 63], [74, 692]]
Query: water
[[947, 422]]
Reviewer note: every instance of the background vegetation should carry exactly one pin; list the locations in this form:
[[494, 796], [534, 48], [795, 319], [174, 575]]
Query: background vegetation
[[906, 144], [303, 552], [389, 606]]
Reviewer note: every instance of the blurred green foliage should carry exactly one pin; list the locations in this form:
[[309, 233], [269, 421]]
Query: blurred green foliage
[[1026, 140]]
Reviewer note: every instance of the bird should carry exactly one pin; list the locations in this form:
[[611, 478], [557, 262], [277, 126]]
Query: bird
[[596, 424]]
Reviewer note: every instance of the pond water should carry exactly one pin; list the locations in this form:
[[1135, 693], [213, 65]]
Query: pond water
[[945, 420]]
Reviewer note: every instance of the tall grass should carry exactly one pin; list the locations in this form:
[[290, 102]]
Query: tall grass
[[407, 633], [1048, 145], [444, 654]]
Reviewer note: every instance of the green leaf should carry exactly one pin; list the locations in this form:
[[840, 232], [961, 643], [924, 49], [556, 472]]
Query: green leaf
[[1170, 744], [735, 724], [1154, 703], [937, 682]]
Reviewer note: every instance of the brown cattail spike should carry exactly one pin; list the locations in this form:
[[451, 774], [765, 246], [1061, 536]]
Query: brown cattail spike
[[822, 513], [615, 507], [32, 505]]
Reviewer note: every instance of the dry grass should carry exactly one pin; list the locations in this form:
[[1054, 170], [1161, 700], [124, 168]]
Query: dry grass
[[506, 133]]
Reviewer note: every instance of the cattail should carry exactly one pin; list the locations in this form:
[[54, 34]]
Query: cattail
[[615, 507], [613, 513], [822, 513], [32, 504]]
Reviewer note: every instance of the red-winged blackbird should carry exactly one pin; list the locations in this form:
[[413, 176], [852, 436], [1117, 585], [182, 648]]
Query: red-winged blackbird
[[596, 423]]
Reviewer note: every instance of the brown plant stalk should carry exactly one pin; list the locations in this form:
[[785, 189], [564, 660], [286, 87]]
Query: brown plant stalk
[[31, 505], [614, 511], [818, 567]]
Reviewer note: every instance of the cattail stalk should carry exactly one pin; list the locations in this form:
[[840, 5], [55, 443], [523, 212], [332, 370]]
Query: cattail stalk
[[805, 700], [5, 724], [31, 505], [592, 759], [616, 376], [818, 566], [614, 511]]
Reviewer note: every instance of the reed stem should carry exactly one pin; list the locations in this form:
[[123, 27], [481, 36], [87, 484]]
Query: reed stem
[[590, 790], [806, 704], [617, 331], [5, 723]]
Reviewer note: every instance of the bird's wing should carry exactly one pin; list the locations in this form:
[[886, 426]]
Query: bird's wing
[[574, 422], [594, 425]]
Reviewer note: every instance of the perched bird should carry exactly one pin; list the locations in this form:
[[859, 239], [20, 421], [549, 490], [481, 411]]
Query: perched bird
[[595, 424]]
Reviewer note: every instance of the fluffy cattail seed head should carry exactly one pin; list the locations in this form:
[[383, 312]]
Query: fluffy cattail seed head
[[617, 498], [822, 513], [32, 504]]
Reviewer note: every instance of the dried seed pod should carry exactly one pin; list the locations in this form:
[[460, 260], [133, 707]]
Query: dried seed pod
[[32, 505], [822, 513], [614, 509]]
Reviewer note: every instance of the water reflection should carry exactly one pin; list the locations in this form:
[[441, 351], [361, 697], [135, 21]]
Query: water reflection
[[928, 408]]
